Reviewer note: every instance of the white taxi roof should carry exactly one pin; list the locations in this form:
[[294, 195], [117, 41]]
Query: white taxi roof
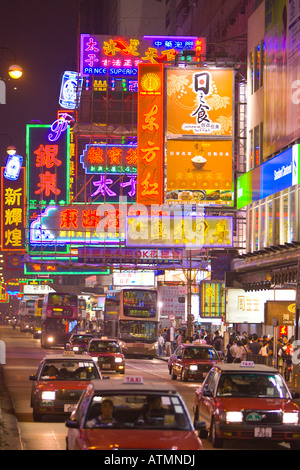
[[118, 385], [70, 357], [240, 367]]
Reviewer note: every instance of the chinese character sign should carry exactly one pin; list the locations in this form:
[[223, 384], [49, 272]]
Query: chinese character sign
[[48, 166], [199, 102], [13, 212], [150, 135]]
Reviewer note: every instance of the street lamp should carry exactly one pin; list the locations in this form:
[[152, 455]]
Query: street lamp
[[15, 71]]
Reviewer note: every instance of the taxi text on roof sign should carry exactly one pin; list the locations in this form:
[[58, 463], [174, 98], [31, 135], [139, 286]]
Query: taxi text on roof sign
[[133, 380], [247, 364]]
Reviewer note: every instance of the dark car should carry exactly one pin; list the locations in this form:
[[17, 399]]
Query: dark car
[[59, 383], [192, 361], [247, 401], [107, 353], [78, 342]]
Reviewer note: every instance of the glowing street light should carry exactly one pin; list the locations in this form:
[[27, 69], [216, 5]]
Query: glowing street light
[[15, 71]]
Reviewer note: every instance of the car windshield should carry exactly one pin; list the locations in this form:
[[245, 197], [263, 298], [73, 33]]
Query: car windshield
[[105, 346], [80, 339], [138, 411], [69, 370], [200, 353], [252, 385]]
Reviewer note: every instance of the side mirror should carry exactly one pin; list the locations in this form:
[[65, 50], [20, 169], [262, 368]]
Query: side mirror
[[72, 423], [200, 426], [32, 377], [295, 395], [207, 393]]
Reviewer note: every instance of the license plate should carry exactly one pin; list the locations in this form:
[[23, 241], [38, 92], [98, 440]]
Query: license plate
[[140, 345], [68, 408], [106, 366], [263, 432]]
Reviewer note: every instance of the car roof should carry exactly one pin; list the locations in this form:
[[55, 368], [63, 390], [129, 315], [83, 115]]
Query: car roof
[[68, 357], [106, 339], [225, 367], [118, 385], [197, 345]]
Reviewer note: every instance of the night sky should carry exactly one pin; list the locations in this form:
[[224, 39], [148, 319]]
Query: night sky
[[43, 35]]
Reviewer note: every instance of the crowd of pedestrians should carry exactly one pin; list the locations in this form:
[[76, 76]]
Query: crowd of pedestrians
[[240, 347]]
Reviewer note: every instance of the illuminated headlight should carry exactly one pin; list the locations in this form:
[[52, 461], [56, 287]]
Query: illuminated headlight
[[118, 359], [154, 346], [76, 348], [50, 339], [48, 395], [234, 417], [290, 418], [193, 367], [95, 358]]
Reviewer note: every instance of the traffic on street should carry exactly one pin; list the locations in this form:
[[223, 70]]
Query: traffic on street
[[24, 367]]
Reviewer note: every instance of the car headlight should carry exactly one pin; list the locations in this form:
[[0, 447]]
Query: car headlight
[[48, 395], [234, 417], [50, 339], [193, 367], [118, 359], [95, 358], [75, 348], [290, 418]]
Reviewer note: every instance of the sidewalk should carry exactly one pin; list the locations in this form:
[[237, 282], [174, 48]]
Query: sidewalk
[[9, 433]]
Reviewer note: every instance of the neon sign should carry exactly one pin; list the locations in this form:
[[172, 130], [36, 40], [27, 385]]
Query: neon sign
[[150, 134], [47, 166], [13, 167], [13, 212], [70, 90], [119, 56], [109, 158]]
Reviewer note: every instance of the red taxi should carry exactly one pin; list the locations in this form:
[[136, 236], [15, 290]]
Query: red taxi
[[247, 401], [107, 353], [192, 361], [130, 414], [59, 383]]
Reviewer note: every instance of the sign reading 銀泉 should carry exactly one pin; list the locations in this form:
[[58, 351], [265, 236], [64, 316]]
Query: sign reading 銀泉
[[13, 212], [47, 166]]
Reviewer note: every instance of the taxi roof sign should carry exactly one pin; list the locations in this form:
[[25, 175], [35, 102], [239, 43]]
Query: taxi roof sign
[[247, 364], [129, 379], [68, 353]]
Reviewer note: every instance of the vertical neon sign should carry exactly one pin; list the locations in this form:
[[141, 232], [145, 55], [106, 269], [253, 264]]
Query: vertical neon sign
[[150, 134]]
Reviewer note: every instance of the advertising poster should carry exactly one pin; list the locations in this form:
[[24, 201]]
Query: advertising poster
[[199, 103], [199, 172]]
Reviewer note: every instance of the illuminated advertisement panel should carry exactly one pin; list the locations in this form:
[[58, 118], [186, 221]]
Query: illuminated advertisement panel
[[199, 172], [47, 166], [199, 102], [179, 231], [116, 56], [212, 299], [274, 175], [150, 135], [13, 212]]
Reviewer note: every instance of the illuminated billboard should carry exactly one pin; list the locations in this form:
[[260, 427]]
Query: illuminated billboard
[[199, 172], [13, 212], [199, 102], [150, 134], [119, 56]]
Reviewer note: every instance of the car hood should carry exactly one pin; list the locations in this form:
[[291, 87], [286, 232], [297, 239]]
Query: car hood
[[238, 404], [102, 439]]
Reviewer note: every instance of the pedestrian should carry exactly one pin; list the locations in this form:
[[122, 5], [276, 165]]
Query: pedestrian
[[264, 350], [161, 343], [229, 351], [255, 345], [241, 351], [218, 342], [168, 343]]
